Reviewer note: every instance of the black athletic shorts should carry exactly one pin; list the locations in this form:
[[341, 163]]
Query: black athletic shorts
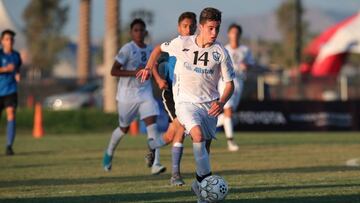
[[168, 100], [8, 101]]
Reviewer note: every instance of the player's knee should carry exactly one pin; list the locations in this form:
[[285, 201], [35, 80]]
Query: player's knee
[[10, 115], [228, 112], [149, 120], [179, 137], [169, 136], [196, 134], [124, 129]]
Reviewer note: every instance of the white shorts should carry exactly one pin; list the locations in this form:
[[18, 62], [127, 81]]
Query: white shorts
[[191, 115], [128, 111], [234, 100]]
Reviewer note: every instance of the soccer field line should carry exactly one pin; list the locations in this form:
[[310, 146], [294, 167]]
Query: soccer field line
[[353, 162]]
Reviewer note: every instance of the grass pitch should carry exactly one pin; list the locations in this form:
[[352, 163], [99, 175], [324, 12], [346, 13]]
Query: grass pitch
[[269, 168]]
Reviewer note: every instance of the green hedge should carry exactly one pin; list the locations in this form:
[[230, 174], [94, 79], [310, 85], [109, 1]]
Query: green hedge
[[60, 122]]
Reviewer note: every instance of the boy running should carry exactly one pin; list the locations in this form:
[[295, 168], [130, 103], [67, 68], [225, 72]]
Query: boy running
[[134, 97], [242, 59], [9, 77], [200, 62]]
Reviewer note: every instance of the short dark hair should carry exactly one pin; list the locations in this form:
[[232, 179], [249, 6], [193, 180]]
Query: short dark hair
[[189, 15], [7, 32], [211, 14], [137, 21], [236, 26]]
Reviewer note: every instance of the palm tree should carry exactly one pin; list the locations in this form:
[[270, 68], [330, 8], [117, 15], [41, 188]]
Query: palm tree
[[83, 52], [110, 49]]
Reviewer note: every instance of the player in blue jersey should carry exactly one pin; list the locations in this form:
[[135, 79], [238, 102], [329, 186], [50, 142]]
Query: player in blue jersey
[[174, 134], [9, 77]]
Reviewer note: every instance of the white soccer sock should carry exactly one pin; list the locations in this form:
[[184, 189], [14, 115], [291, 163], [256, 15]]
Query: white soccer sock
[[201, 159], [157, 157], [220, 121], [152, 131], [158, 142], [116, 136], [228, 127]]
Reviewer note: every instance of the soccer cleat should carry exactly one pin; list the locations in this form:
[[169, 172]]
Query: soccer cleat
[[157, 169], [196, 190], [150, 157], [9, 151], [176, 180], [107, 162], [232, 146]]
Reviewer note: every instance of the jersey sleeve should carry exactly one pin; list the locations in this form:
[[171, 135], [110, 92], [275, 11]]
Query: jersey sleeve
[[123, 56], [227, 69], [172, 46]]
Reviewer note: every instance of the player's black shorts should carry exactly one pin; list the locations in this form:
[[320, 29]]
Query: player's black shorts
[[8, 101], [169, 103]]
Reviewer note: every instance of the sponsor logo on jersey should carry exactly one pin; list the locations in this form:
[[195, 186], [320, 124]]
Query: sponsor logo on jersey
[[167, 43], [203, 70], [216, 56], [185, 50]]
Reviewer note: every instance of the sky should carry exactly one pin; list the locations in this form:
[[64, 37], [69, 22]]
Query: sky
[[166, 12]]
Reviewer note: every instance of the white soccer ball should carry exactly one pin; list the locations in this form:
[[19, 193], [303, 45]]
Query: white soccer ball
[[213, 188]]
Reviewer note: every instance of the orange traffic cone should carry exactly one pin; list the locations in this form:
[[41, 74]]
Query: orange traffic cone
[[38, 130], [134, 128]]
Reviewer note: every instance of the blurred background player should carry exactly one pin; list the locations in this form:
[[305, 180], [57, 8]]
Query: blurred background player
[[134, 97], [175, 132], [200, 62], [9, 77], [242, 59]]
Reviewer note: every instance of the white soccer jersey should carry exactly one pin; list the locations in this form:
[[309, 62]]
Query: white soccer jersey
[[240, 55], [198, 70], [131, 89]]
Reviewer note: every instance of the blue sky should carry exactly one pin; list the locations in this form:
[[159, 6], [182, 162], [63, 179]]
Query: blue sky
[[167, 11]]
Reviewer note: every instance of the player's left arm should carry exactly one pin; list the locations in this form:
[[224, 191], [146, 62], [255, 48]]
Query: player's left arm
[[227, 72], [17, 68]]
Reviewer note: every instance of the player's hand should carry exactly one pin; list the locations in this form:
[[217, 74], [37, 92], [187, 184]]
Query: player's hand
[[216, 108], [10, 67], [143, 74], [17, 77], [162, 84], [243, 67]]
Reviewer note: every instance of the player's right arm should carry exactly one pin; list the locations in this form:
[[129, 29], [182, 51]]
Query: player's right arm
[[169, 47], [7, 69], [121, 59], [118, 71]]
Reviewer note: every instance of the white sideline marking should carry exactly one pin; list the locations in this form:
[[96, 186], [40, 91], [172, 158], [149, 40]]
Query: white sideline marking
[[353, 162]]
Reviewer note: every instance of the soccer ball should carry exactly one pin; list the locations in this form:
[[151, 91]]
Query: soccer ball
[[213, 188]]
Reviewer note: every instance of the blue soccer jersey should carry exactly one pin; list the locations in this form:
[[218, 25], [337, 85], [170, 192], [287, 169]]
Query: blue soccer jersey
[[8, 84]]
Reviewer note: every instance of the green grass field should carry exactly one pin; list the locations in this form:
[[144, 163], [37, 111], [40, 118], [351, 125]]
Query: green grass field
[[270, 167]]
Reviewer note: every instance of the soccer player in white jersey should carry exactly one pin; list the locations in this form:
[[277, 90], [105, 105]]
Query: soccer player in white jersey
[[200, 62], [175, 132], [242, 59], [133, 97]]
